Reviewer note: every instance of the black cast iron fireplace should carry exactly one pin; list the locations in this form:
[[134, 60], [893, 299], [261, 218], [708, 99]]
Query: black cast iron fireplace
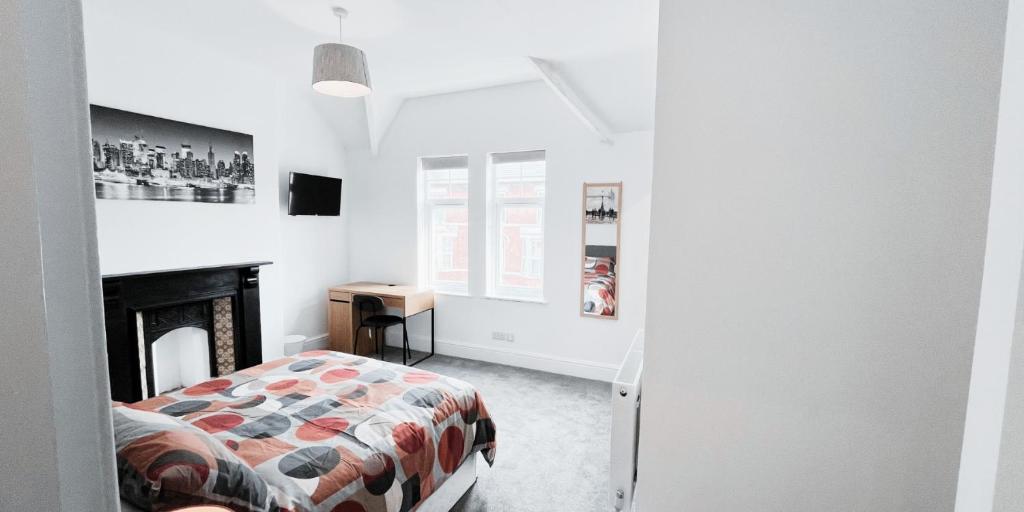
[[141, 307]]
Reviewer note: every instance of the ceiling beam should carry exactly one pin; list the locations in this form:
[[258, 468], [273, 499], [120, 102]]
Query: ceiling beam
[[379, 116], [568, 95], [371, 124]]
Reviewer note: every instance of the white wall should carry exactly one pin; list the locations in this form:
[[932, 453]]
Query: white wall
[[202, 84], [550, 336], [821, 184], [314, 250], [988, 467], [56, 438], [995, 480]]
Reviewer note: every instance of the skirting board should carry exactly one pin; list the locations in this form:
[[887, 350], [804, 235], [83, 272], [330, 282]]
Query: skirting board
[[532, 360]]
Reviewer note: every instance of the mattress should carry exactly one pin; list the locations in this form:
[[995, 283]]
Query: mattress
[[318, 431]]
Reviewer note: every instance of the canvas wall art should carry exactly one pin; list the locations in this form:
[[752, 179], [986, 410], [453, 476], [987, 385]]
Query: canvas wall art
[[136, 156]]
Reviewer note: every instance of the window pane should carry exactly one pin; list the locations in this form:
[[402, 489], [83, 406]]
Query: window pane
[[445, 222], [521, 248], [437, 175], [447, 183], [449, 244], [438, 183], [523, 180], [438, 190], [459, 184]]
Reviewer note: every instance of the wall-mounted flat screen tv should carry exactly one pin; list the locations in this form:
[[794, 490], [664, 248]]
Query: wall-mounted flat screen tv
[[309, 194]]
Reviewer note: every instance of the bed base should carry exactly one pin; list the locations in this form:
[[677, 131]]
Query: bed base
[[442, 500], [453, 489]]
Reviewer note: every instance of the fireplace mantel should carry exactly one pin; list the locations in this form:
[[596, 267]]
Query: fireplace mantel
[[187, 270], [127, 295]]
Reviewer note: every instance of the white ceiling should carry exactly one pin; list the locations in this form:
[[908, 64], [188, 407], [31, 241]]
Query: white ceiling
[[604, 49]]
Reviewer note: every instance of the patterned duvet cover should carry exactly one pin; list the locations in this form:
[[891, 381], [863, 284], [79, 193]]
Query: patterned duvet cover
[[321, 431]]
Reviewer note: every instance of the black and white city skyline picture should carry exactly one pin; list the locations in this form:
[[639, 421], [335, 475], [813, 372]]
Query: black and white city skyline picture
[[602, 204], [135, 156]]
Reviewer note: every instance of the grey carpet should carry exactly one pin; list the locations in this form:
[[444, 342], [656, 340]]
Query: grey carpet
[[553, 439]]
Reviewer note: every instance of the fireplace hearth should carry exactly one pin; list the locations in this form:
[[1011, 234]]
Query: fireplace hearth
[[142, 307]]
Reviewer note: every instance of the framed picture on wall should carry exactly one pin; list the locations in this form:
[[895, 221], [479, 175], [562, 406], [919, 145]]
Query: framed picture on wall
[[135, 156], [602, 206]]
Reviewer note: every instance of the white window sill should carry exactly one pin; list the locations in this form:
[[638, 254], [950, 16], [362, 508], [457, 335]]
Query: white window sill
[[530, 300]]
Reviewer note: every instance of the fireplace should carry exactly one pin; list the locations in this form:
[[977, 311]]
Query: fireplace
[[180, 359], [194, 341], [154, 321]]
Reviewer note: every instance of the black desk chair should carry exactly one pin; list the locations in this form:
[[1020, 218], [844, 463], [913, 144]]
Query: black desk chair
[[372, 316]]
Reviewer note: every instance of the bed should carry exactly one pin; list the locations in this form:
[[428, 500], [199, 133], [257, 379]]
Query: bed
[[321, 431]]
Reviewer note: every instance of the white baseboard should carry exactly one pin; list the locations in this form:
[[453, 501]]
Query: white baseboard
[[501, 355], [523, 359]]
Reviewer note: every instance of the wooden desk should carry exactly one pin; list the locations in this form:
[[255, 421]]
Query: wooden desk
[[343, 320]]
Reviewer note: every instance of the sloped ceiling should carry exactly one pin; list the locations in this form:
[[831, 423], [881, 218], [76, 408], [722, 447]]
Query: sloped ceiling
[[604, 49]]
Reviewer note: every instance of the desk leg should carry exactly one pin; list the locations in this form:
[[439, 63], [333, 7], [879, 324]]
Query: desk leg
[[405, 343], [424, 358]]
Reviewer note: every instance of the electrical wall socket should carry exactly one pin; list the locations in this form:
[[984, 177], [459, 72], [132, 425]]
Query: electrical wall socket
[[503, 336]]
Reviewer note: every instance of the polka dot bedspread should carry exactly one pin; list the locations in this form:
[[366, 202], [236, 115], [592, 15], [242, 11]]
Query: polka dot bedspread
[[321, 431]]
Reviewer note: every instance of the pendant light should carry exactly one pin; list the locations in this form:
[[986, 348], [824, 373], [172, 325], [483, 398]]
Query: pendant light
[[339, 69]]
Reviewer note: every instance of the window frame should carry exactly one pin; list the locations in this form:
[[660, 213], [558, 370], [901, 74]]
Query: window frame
[[427, 208], [496, 207]]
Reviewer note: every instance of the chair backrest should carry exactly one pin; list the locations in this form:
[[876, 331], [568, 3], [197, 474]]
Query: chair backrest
[[367, 305]]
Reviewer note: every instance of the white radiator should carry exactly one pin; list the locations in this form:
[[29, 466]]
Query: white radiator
[[626, 424]]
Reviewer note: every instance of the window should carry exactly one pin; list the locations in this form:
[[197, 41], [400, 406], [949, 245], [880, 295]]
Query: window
[[444, 218], [516, 229]]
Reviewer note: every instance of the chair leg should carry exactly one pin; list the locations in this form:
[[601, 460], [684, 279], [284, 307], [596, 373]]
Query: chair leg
[[355, 340], [376, 341], [385, 330], [381, 343]]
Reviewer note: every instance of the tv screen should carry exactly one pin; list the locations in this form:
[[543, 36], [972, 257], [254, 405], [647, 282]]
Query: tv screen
[[309, 194]]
